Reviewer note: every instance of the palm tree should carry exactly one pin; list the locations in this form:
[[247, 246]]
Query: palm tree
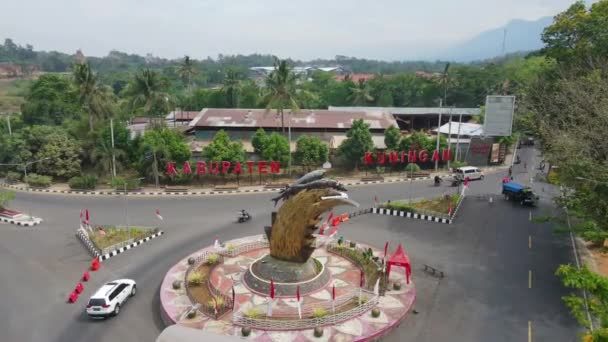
[[102, 155], [360, 94], [154, 146], [445, 81], [231, 87], [186, 70], [148, 92], [281, 90], [93, 97]]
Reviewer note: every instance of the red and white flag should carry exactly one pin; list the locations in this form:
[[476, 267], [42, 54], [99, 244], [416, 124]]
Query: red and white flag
[[330, 216], [101, 231], [87, 216], [216, 243], [299, 303], [322, 229], [215, 308], [333, 299], [158, 215], [361, 275], [271, 299], [450, 210]]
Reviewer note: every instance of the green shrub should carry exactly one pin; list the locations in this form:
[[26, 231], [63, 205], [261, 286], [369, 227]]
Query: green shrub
[[196, 278], [457, 164], [319, 312], [364, 300], [13, 176], [253, 313], [230, 247], [132, 184], [213, 259], [412, 167], [83, 182], [219, 300], [38, 180]]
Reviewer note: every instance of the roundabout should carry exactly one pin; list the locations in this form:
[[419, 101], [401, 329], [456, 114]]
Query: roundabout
[[291, 283], [352, 320]]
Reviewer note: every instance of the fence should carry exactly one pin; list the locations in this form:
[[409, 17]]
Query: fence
[[260, 242], [84, 237], [207, 308], [239, 318], [371, 268]]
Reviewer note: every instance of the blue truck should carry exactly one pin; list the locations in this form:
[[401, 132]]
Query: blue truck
[[519, 193]]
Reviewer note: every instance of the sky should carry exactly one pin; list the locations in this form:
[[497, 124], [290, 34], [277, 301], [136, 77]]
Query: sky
[[380, 29]]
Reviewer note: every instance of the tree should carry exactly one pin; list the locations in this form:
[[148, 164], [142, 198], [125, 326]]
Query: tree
[[281, 90], [62, 154], [186, 71], [92, 96], [392, 135], [157, 147], [276, 147], [311, 151], [360, 94], [258, 140], [102, 157], [51, 100], [5, 198], [223, 149], [148, 93], [358, 141], [232, 88]]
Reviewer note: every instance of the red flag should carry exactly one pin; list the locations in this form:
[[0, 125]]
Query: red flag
[[298, 293], [333, 293], [330, 216], [361, 279], [215, 306], [450, 210], [466, 182], [87, 215], [271, 288], [81, 214], [385, 248], [158, 215], [322, 229]]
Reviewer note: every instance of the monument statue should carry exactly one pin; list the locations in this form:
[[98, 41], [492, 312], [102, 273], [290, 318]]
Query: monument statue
[[291, 234]]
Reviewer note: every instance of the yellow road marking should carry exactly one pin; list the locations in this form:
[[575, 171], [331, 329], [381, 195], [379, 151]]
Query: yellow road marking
[[529, 241], [529, 331], [529, 279]]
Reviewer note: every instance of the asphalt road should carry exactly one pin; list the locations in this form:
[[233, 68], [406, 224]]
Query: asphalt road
[[485, 254]]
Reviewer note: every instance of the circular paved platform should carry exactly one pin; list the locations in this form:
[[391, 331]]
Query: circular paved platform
[[394, 306]]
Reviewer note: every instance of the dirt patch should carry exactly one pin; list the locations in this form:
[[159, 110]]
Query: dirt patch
[[201, 293], [600, 260]]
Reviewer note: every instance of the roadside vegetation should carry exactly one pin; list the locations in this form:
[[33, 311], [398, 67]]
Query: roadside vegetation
[[440, 205], [111, 235]]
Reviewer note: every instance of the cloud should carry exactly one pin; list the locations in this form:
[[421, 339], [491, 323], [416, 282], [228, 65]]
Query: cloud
[[387, 29]]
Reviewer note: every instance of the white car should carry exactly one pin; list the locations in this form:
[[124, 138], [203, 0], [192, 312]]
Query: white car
[[110, 297], [469, 171]]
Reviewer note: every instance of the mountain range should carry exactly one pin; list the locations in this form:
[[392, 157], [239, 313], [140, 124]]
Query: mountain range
[[521, 35]]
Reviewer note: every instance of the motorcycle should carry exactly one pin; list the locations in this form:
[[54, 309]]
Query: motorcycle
[[438, 181], [243, 217]]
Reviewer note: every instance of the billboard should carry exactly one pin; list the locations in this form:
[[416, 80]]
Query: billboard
[[498, 121], [478, 153]]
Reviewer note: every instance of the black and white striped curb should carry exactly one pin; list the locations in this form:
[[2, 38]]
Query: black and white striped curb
[[192, 193], [407, 214], [127, 247], [35, 221], [87, 243]]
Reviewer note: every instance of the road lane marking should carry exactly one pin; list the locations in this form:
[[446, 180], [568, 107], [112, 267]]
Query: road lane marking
[[529, 331], [530, 241], [530, 279]]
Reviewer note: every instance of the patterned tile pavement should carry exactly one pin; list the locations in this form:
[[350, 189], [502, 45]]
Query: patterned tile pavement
[[394, 306]]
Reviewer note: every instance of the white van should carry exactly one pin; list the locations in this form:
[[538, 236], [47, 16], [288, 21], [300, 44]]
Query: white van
[[469, 171]]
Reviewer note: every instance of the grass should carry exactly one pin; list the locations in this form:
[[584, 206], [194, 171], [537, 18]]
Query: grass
[[12, 94], [437, 205], [117, 235]]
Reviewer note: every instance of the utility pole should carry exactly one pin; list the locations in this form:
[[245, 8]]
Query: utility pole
[[458, 136], [450, 136], [113, 154], [8, 120], [438, 133], [289, 142]]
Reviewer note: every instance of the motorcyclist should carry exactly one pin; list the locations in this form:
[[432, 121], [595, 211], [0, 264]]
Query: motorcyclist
[[437, 180], [243, 213]]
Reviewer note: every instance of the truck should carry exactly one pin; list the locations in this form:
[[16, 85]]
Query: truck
[[519, 193]]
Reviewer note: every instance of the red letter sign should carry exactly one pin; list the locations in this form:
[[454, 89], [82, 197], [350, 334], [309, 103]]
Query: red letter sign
[[237, 168], [393, 157], [250, 167], [262, 167], [201, 168], [424, 156], [214, 169], [275, 167], [447, 155], [411, 156], [369, 160], [435, 156], [171, 171], [403, 154], [225, 167], [187, 169], [381, 157]]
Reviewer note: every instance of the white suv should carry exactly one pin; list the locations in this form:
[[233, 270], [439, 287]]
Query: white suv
[[469, 171], [108, 299]]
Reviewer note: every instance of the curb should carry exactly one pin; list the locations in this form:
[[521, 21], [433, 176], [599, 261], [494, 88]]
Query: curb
[[34, 222], [191, 193], [407, 214], [95, 252]]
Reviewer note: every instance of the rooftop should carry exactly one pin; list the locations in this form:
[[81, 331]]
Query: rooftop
[[305, 118], [414, 110], [181, 115], [470, 129]]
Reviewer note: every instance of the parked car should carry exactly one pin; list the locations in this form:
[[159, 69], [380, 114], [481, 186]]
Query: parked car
[[108, 300], [519, 193], [468, 171]]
